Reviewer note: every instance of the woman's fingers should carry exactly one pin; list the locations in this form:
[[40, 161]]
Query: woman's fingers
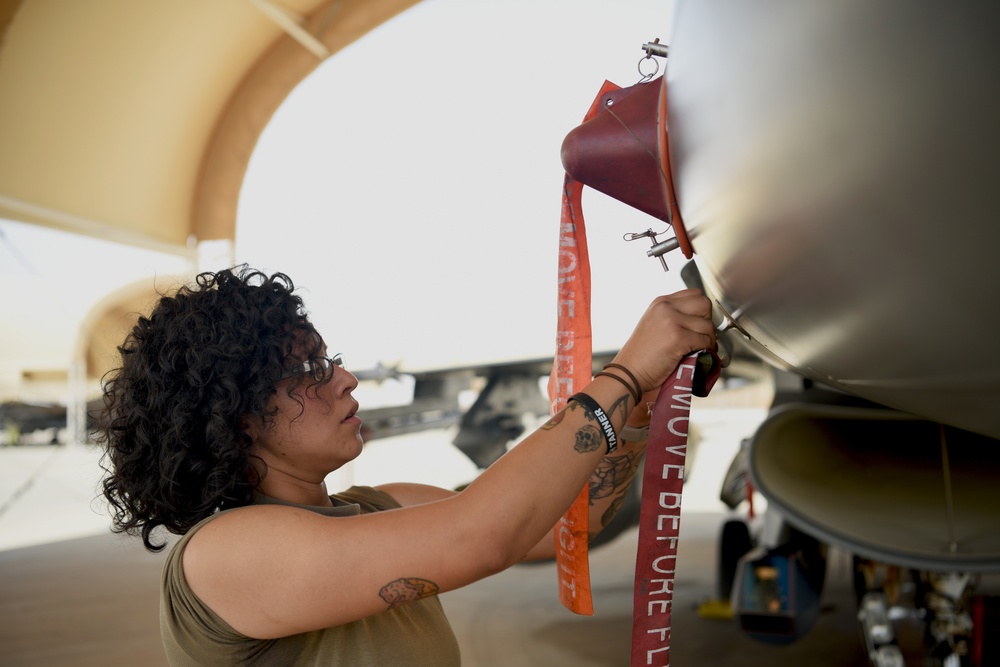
[[690, 301], [701, 326], [673, 326]]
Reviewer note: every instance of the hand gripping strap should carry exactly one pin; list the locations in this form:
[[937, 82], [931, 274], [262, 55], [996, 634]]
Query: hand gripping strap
[[660, 513]]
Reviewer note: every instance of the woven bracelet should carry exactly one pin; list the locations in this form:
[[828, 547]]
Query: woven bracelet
[[603, 421], [631, 391], [638, 387]]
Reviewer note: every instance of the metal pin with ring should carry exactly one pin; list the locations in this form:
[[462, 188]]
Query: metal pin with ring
[[659, 249], [653, 48]]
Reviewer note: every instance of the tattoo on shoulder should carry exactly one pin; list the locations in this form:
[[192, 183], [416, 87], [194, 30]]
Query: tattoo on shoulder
[[407, 589]]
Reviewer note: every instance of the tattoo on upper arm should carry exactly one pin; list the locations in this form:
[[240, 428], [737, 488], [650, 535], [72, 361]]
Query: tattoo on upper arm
[[407, 589]]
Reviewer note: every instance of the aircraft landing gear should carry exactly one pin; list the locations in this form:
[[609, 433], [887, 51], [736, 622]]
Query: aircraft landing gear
[[930, 619], [734, 543]]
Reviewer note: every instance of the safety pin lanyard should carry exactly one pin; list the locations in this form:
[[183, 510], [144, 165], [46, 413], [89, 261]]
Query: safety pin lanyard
[[660, 511]]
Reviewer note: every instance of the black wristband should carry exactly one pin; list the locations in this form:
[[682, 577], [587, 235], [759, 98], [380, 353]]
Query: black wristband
[[603, 421]]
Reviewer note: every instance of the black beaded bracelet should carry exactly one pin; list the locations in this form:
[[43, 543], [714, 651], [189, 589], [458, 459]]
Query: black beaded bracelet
[[603, 421]]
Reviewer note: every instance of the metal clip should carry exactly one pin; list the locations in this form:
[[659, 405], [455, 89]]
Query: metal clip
[[653, 48], [659, 249], [730, 320]]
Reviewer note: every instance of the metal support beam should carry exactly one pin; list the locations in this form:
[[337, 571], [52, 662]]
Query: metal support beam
[[17, 209], [292, 23]]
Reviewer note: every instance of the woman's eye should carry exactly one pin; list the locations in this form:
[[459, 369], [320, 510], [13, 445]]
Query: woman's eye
[[321, 370]]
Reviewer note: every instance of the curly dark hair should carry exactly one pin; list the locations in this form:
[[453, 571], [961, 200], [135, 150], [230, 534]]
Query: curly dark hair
[[193, 374]]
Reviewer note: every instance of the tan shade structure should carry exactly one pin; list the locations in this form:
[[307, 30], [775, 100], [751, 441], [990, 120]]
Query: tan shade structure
[[134, 121], [111, 319]]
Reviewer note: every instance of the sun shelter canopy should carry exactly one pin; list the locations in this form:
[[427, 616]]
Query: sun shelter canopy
[[134, 121]]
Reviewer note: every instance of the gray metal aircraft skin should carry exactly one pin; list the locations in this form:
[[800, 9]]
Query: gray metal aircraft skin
[[836, 164], [836, 168]]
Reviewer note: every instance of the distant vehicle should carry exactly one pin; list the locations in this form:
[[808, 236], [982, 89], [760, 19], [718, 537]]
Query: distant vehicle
[[506, 397], [23, 422]]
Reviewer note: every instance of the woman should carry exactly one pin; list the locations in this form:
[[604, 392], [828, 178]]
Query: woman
[[225, 418]]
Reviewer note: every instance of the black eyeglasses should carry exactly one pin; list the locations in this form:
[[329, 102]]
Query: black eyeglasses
[[319, 369]]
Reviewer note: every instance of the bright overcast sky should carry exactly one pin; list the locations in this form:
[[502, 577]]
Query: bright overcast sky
[[411, 186], [413, 183]]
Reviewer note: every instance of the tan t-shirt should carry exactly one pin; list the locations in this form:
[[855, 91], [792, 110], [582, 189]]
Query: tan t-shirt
[[415, 634]]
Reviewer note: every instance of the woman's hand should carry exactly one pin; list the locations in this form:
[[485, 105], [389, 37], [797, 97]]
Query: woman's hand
[[672, 327]]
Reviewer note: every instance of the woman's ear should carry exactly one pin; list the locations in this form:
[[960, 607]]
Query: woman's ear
[[251, 426]]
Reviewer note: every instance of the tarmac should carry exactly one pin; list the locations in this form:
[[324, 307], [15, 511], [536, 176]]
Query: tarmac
[[73, 594]]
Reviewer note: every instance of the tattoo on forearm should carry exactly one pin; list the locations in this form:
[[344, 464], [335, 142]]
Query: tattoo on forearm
[[620, 406], [612, 510], [407, 589], [554, 421], [612, 475], [612, 478], [588, 439]]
